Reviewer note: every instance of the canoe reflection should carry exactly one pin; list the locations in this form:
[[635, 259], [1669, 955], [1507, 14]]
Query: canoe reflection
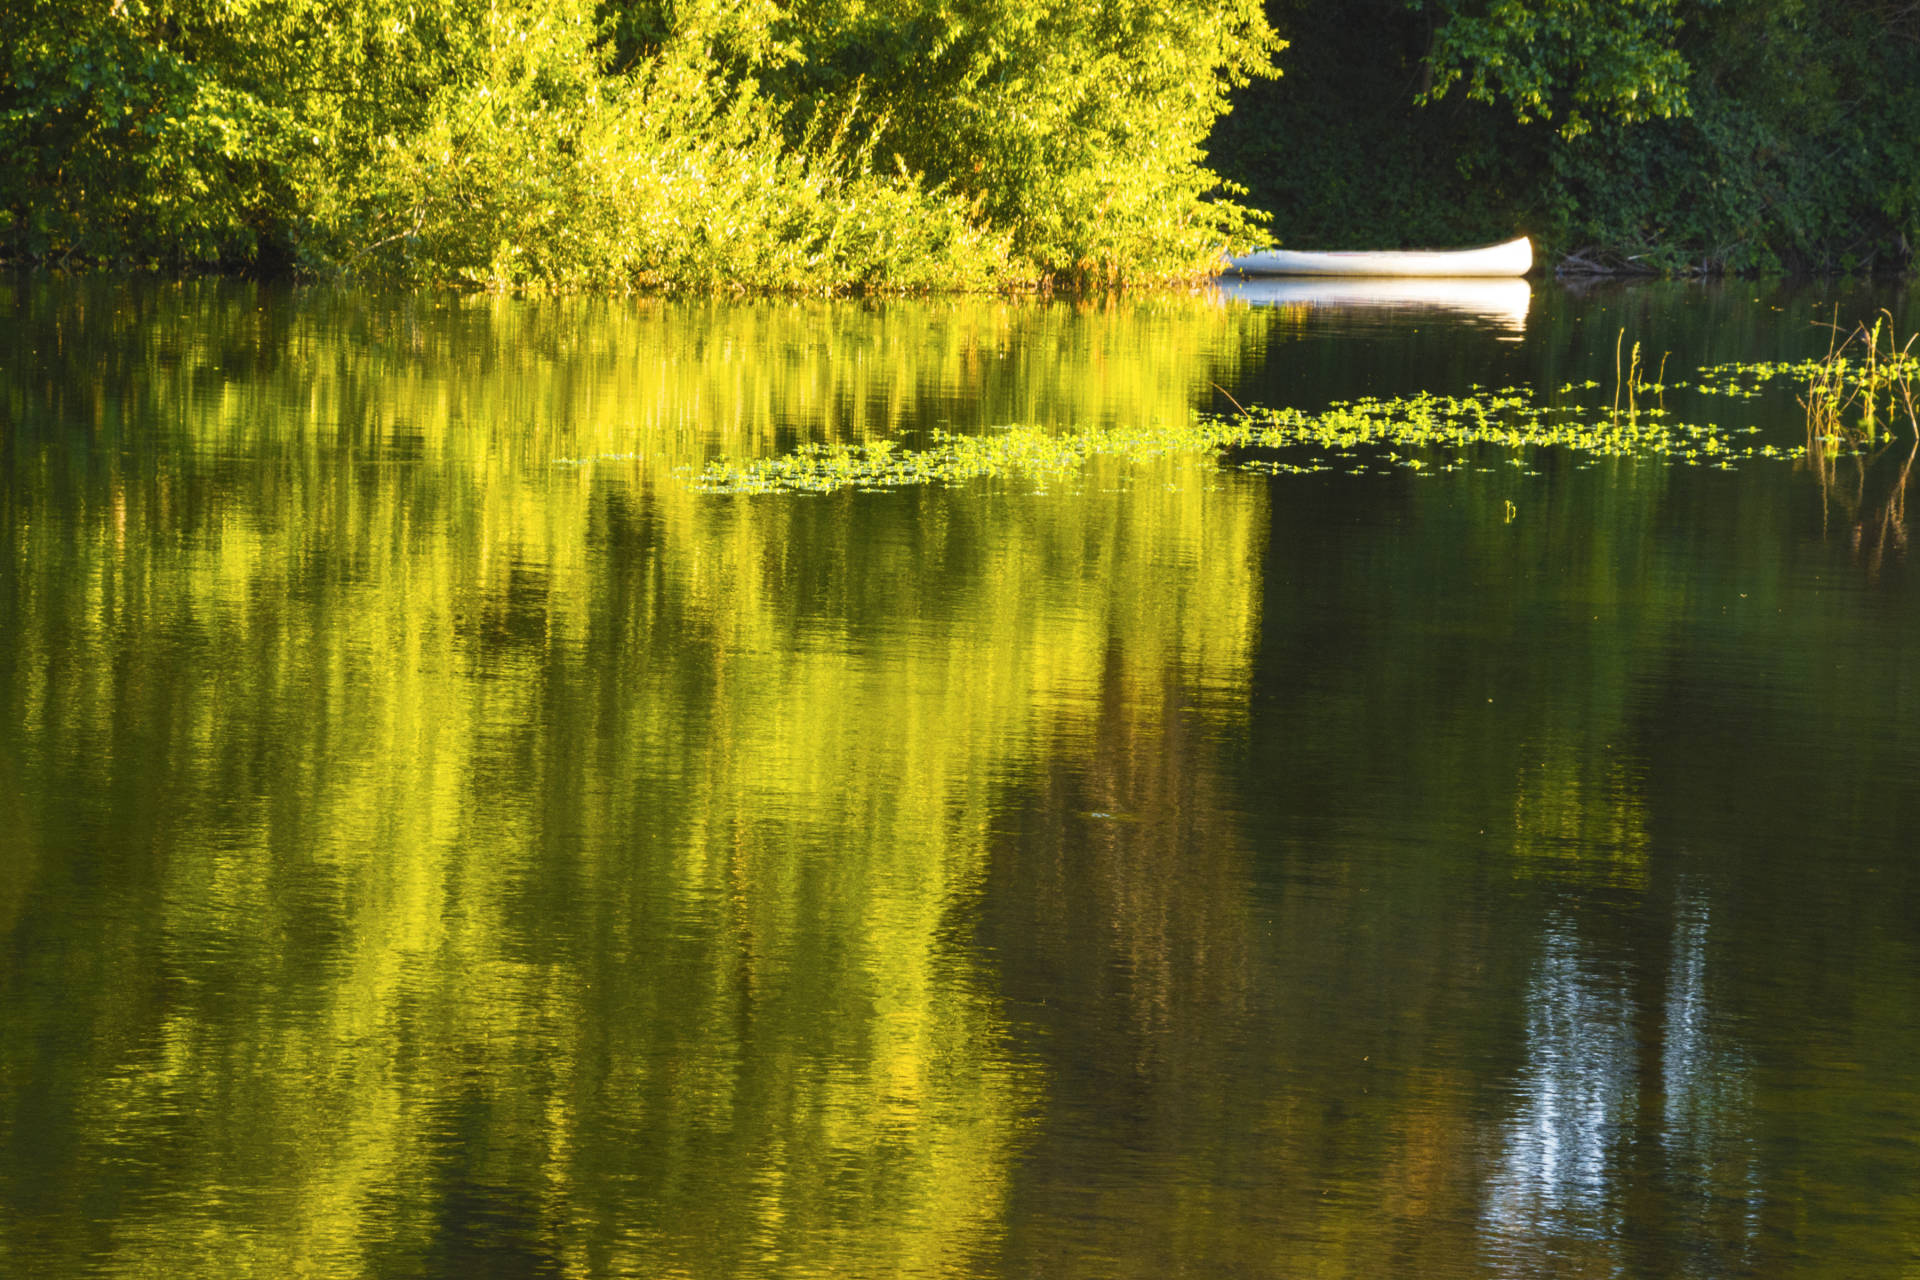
[[1504, 303]]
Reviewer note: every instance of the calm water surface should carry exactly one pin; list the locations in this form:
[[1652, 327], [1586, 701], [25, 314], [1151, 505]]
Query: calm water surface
[[436, 842]]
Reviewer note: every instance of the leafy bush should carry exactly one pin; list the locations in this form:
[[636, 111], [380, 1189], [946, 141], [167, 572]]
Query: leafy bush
[[549, 142], [1079, 127]]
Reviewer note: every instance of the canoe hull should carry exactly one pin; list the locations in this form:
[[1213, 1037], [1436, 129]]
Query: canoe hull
[[1514, 258]]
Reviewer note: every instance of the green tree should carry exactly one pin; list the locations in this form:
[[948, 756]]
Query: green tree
[[1562, 62], [121, 140], [1078, 126], [1674, 134], [828, 144]]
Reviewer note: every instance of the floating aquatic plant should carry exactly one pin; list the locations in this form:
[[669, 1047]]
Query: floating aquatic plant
[[1853, 395], [1416, 433]]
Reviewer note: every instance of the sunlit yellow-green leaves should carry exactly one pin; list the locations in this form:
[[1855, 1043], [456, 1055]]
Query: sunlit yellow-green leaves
[[566, 143], [1078, 127]]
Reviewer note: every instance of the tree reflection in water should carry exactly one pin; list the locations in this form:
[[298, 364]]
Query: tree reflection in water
[[1707, 1109], [1576, 1099], [1613, 1123]]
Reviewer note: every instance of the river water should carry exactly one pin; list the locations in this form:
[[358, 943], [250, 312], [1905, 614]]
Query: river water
[[436, 840]]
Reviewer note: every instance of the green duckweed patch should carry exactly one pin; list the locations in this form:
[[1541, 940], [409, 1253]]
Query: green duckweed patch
[[1844, 372], [1425, 433], [1422, 433]]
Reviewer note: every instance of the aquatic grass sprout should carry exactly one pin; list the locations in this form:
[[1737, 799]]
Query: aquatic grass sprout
[[1860, 371], [1866, 359], [1853, 395], [1425, 432]]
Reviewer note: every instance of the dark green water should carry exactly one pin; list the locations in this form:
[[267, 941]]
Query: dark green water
[[424, 853]]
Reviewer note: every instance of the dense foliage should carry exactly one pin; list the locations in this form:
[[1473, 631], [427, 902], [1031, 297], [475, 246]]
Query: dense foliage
[[827, 142], [1670, 134], [942, 143]]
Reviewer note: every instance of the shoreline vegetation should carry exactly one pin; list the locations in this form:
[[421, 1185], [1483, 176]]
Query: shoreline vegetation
[[827, 146]]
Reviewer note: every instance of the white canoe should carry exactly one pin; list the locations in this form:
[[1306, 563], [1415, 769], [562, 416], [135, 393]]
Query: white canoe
[[1514, 258]]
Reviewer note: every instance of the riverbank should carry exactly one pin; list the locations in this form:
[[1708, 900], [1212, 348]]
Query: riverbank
[[759, 147], [1698, 138], [559, 144]]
